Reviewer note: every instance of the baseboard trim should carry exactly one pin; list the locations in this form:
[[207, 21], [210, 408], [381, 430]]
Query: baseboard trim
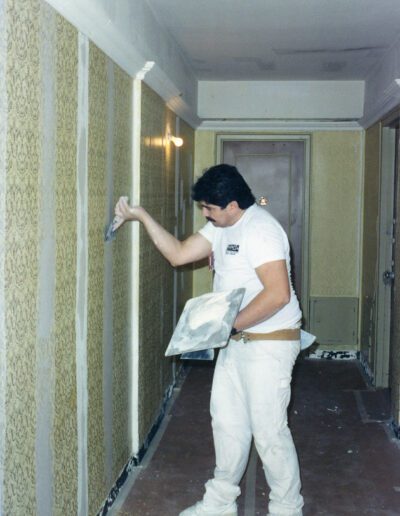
[[115, 490], [366, 368], [396, 429], [135, 460]]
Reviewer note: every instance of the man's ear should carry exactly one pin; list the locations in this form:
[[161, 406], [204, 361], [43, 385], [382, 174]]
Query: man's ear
[[233, 205]]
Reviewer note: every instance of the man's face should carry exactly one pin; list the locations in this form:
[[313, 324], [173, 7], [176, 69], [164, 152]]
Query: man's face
[[220, 217]]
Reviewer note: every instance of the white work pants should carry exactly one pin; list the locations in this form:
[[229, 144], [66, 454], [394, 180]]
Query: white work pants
[[250, 396]]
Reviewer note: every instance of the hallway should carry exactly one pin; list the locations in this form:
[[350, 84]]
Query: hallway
[[348, 457]]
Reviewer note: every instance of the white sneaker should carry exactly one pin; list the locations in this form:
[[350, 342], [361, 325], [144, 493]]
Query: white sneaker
[[198, 509]]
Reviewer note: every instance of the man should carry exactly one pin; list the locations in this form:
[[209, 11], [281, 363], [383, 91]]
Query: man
[[251, 385]]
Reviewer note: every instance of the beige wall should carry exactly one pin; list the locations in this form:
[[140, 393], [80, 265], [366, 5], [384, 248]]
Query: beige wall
[[335, 213], [185, 211], [204, 158]]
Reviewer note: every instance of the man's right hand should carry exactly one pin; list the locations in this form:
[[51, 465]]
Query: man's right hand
[[124, 212]]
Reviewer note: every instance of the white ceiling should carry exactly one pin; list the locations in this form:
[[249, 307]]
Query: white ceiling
[[281, 39]]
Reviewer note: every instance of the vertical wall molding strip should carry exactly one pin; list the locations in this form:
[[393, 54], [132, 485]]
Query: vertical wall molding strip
[[108, 288], [134, 372], [45, 346], [3, 165], [82, 272]]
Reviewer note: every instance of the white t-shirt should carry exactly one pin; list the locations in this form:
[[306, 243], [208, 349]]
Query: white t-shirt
[[256, 238]]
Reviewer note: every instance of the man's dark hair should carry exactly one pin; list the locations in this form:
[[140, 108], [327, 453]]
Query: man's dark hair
[[222, 184]]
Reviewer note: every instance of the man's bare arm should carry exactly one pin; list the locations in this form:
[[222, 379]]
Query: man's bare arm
[[274, 296], [177, 252]]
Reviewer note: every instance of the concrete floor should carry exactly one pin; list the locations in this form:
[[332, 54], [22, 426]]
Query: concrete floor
[[349, 458]]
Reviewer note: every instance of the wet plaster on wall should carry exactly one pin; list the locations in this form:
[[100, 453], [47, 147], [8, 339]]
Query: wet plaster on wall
[[82, 273], [45, 347], [108, 285]]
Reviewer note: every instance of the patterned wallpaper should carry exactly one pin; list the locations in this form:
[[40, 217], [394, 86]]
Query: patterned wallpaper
[[108, 304], [155, 273], [157, 192], [97, 170], [21, 249], [121, 273], [3, 180], [65, 417], [41, 429]]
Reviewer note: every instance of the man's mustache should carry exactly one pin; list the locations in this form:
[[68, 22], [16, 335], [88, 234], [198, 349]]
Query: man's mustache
[[210, 219]]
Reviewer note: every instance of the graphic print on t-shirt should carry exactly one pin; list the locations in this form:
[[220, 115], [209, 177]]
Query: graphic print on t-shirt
[[232, 249]]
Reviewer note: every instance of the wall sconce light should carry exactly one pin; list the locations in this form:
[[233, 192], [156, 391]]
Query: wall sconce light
[[178, 142]]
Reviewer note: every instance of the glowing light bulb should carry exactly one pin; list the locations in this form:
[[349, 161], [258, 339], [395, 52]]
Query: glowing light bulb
[[178, 142]]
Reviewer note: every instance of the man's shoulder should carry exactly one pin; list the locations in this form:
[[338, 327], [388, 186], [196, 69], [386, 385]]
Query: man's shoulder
[[264, 227], [259, 217]]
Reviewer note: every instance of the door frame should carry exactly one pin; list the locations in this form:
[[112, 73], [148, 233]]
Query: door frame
[[221, 138], [385, 252]]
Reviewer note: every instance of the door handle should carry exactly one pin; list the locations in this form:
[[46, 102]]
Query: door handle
[[263, 201], [388, 277]]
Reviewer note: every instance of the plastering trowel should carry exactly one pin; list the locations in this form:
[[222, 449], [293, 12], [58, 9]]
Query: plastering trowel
[[110, 232]]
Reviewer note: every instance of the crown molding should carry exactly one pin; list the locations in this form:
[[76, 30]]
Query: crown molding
[[279, 125], [158, 80], [389, 100], [94, 23]]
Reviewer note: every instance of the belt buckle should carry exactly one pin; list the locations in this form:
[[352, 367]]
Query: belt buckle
[[245, 338]]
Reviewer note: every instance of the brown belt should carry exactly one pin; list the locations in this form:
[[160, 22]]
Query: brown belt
[[290, 334]]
